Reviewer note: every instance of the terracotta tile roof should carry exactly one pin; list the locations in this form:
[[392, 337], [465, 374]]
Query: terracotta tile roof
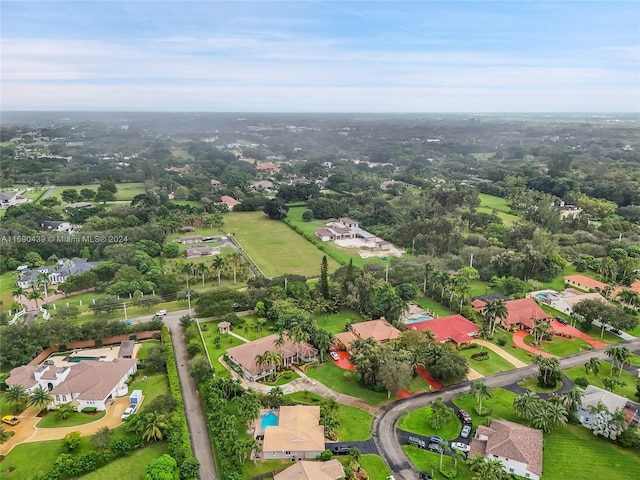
[[93, 380], [454, 327], [298, 430], [346, 338], [585, 281], [477, 303], [510, 440], [230, 201], [245, 354], [23, 375], [380, 330], [524, 311], [305, 470]]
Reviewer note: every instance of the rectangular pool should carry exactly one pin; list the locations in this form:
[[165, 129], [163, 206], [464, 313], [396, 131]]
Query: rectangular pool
[[417, 319]]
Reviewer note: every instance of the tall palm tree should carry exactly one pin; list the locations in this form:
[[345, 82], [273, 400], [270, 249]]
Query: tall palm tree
[[153, 427], [444, 448], [42, 280], [16, 396], [628, 296], [261, 361], [572, 399], [36, 295], [457, 456], [428, 274], [618, 354], [525, 404], [540, 330], [40, 399], [592, 365], [19, 292], [549, 415], [218, 263], [480, 390], [494, 310]]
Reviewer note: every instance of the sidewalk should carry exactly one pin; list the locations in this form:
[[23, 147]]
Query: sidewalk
[[507, 356]]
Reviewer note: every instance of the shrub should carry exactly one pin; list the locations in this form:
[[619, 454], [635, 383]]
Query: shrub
[[89, 409], [480, 355], [448, 471], [502, 341], [326, 455], [581, 382]]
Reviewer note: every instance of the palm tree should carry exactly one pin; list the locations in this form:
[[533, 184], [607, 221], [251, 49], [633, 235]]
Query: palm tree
[[457, 456], [218, 263], [36, 295], [525, 404], [19, 292], [549, 415], [65, 410], [540, 330], [628, 296], [480, 390], [592, 365], [17, 396], [619, 354], [490, 470], [42, 280], [444, 448], [5, 435], [572, 399], [494, 310], [153, 427], [261, 361], [40, 399]]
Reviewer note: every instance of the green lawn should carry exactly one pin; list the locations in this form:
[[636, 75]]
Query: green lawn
[[251, 469], [131, 467], [532, 385], [418, 422], [281, 379], [558, 282], [495, 364], [501, 405], [372, 464], [427, 461], [492, 201], [51, 420], [355, 423], [507, 218], [336, 323], [574, 452], [433, 306], [628, 390], [333, 377], [561, 347], [216, 351], [246, 327], [126, 191], [275, 247], [510, 347], [607, 337], [7, 285]]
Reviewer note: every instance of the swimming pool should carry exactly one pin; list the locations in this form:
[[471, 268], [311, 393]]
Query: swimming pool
[[417, 319], [79, 359], [269, 419]]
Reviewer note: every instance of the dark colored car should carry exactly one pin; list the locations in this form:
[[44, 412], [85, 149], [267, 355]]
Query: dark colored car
[[341, 450], [466, 418], [562, 320], [425, 476], [436, 439], [615, 330]]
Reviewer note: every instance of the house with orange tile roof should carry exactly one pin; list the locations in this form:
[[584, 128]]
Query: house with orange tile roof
[[584, 283], [268, 167], [522, 314], [306, 470], [454, 328], [380, 330], [517, 447], [230, 202]]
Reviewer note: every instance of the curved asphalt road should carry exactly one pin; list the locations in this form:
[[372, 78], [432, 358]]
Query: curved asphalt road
[[384, 423]]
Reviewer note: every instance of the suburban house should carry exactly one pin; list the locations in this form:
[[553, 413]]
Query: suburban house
[[565, 301], [89, 383], [585, 283], [305, 470], [197, 251], [265, 185], [56, 226], [190, 239], [9, 199], [244, 356], [569, 211], [454, 328], [230, 202], [521, 313], [480, 301], [348, 228], [268, 167], [380, 330], [297, 436], [635, 287], [180, 170], [57, 274], [594, 396], [517, 447]]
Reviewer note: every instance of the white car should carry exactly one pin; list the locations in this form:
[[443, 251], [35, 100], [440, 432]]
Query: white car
[[334, 355], [463, 447], [161, 313], [127, 413]]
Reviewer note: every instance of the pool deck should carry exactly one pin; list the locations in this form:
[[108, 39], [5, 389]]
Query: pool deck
[[257, 425], [414, 311], [110, 353]]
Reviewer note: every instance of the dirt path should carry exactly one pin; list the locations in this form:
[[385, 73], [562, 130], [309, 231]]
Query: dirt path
[[27, 430], [518, 339], [507, 356]]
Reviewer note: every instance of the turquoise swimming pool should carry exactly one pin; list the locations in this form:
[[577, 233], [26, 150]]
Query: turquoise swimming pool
[[269, 419], [417, 319]]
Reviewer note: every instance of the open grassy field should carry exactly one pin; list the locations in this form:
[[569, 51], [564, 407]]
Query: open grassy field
[[418, 422], [491, 201], [507, 218], [628, 390], [275, 247], [433, 306], [216, 351], [131, 467], [126, 191], [495, 364], [7, 285], [429, 462], [574, 452], [559, 346], [501, 405], [337, 322]]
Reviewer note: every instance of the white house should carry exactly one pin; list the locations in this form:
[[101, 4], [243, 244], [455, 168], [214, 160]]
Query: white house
[[9, 199], [57, 274], [517, 447], [565, 301], [593, 396], [89, 383], [56, 226]]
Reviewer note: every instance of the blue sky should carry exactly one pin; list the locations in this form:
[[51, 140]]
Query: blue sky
[[321, 56]]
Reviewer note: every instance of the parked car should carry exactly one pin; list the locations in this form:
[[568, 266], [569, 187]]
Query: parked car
[[341, 450], [10, 420], [463, 447], [466, 418], [161, 313], [436, 439], [128, 412], [615, 330], [562, 320], [335, 356], [424, 476], [435, 447], [466, 430]]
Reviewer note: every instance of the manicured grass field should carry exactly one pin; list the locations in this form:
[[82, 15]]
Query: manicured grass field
[[559, 346], [154, 385], [429, 462], [131, 467], [7, 285], [574, 452], [372, 464], [216, 351], [495, 364], [246, 327], [532, 385], [510, 347], [282, 379], [77, 418], [276, 248], [126, 191], [355, 423], [433, 306], [507, 218], [251, 469], [501, 405], [333, 376], [628, 390], [336, 323], [30, 458], [491, 201], [607, 337], [418, 422]]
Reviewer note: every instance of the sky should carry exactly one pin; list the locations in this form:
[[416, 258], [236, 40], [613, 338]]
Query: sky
[[320, 56]]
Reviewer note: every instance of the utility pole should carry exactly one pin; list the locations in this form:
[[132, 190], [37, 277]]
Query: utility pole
[[471, 261], [188, 296], [386, 274], [413, 246], [124, 304]]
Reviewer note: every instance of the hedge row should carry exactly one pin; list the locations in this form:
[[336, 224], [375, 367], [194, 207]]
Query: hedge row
[[179, 442]]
